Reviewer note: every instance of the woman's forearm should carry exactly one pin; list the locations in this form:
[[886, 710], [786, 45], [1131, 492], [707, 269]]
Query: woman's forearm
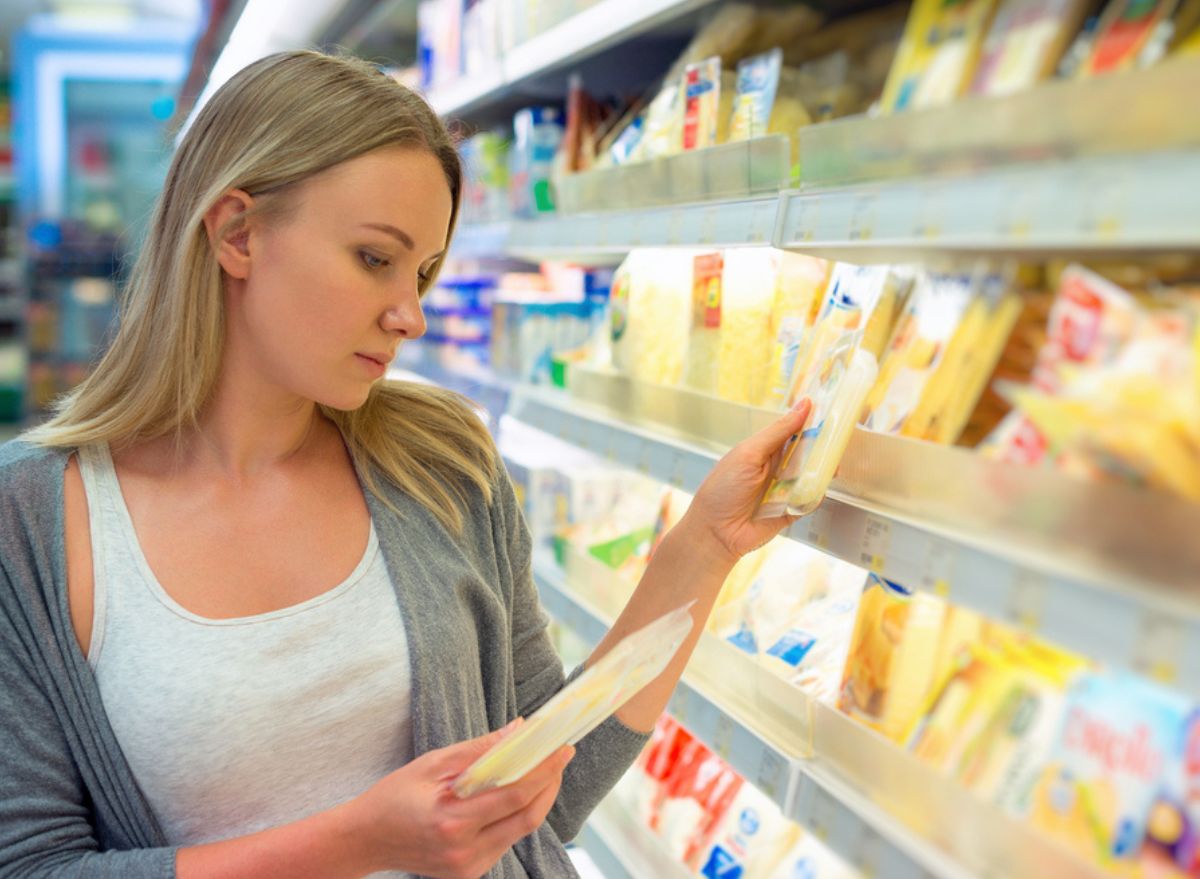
[[689, 565]]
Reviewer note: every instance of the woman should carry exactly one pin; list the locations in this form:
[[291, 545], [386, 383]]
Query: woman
[[257, 607]]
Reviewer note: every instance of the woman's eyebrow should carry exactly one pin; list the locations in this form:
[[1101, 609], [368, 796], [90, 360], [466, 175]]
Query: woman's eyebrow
[[399, 234]]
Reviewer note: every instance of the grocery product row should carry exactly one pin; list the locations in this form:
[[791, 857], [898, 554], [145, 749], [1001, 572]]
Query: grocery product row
[[969, 717], [749, 106]]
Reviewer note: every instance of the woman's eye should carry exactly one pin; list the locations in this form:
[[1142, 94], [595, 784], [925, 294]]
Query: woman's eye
[[371, 261]]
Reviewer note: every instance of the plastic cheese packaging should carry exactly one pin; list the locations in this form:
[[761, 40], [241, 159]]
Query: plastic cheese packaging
[[757, 82], [838, 387], [890, 668], [1117, 738], [744, 350], [582, 706], [1130, 34], [701, 103], [651, 309], [752, 831], [1024, 44], [938, 54]]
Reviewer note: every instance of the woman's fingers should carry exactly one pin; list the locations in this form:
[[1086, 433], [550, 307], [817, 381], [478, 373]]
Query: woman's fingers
[[494, 805], [503, 833], [766, 443]]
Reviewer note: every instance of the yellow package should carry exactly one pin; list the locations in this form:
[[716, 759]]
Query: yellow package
[[938, 55], [889, 670], [935, 312], [744, 350], [798, 295]]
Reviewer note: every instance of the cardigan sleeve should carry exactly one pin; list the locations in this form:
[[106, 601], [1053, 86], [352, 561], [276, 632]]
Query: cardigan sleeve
[[603, 755], [46, 816]]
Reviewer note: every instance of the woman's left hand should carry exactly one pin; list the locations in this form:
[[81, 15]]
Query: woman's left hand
[[726, 503]]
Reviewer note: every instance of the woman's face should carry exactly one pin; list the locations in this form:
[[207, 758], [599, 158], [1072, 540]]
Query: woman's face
[[332, 287]]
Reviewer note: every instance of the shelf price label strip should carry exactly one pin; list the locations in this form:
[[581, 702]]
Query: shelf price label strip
[[1117, 627]]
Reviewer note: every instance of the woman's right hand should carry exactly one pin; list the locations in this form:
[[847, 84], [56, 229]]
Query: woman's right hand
[[412, 820]]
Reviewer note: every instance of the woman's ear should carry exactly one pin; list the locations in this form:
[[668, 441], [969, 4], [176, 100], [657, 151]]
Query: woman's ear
[[228, 232]]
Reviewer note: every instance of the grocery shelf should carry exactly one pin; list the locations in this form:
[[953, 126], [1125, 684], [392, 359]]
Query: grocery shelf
[[1102, 569], [1108, 204], [1134, 203], [623, 848], [612, 234], [880, 809], [584, 34]]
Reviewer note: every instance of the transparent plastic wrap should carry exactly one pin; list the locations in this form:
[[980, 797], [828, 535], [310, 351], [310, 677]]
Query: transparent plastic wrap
[[578, 709], [838, 388]]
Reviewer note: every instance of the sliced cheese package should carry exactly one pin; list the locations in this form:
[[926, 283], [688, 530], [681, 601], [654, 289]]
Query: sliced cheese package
[[837, 389], [650, 307], [582, 706], [1025, 43]]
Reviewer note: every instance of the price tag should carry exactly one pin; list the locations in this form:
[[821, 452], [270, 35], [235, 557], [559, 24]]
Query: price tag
[[677, 468], [636, 232], [822, 815], [723, 737], [931, 216], [643, 458], [802, 228], [868, 854], [708, 226], [1028, 600], [772, 775], [675, 227], [862, 217], [602, 232], [876, 541], [939, 563], [610, 453], [1159, 645], [760, 223]]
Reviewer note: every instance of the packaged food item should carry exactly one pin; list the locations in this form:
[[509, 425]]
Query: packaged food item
[[1025, 43], [932, 317], [938, 54], [757, 82], [838, 389], [751, 828], [847, 307], [1173, 827], [537, 133], [800, 285], [1091, 319], [704, 342], [650, 303], [748, 290], [701, 103], [809, 858], [1130, 34], [889, 672], [582, 706], [1117, 737], [697, 799]]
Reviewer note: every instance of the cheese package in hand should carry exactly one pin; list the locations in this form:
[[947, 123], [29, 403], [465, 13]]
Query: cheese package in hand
[[581, 707]]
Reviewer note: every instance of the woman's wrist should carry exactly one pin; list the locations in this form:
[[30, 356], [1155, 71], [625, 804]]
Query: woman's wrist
[[700, 542], [352, 824]]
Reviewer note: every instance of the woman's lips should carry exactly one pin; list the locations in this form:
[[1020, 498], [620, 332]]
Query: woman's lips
[[373, 364]]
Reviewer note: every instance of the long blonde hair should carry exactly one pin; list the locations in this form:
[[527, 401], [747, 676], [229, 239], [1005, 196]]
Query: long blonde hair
[[279, 121]]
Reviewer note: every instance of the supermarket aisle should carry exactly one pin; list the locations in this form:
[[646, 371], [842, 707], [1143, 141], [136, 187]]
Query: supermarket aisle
[[967, 232]]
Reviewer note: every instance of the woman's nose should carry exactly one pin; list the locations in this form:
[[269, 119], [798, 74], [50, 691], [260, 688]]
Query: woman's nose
[[406, 319]]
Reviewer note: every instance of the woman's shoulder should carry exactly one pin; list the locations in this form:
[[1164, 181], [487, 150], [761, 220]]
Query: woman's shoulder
[[28, 471]]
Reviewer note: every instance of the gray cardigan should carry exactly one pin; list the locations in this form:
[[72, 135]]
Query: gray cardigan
[[69, 805]]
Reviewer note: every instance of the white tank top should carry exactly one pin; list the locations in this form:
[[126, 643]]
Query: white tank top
[[236, 725]]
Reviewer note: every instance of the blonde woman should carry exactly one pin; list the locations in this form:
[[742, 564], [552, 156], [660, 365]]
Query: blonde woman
[[257, 606]]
